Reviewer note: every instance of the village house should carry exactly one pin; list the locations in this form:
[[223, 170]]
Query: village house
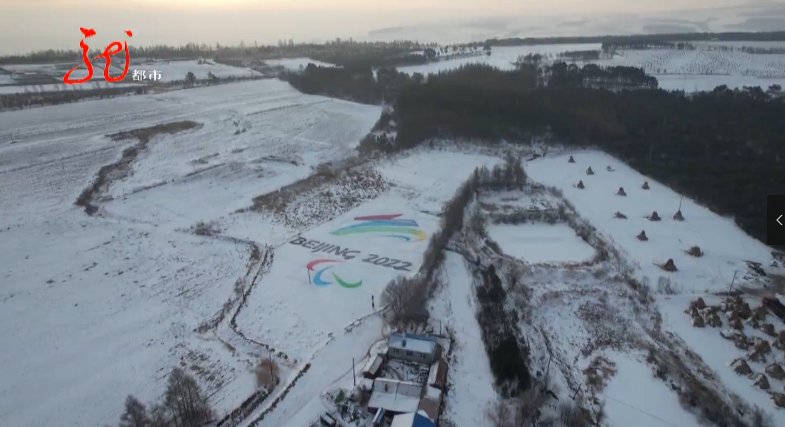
[[413, 348]]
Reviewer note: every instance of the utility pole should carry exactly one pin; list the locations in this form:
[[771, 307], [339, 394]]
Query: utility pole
[[354, 376], [730, 288]]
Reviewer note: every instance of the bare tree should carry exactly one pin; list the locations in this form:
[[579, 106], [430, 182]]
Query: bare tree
[[190, 79], [406, 298], [159, 416], [135, 414], [184, 400]]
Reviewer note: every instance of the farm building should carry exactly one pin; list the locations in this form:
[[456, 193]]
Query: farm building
[[412, 420], [437, 376], [374, 365], [394, 396], [414, 348], [431, 403]]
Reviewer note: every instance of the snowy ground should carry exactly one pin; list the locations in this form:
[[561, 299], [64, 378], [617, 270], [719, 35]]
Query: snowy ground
[[132, 285], [170, 71], [325, 280], [503, 57], [99, 307], [469, 370], [316, 304], [626, 405], [541, 243], [710, 65], [726, 248], [58, 87], [295, 64], [176, 70]]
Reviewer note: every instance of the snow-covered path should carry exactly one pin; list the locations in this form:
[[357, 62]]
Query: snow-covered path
[[329, 365], [470, 372]]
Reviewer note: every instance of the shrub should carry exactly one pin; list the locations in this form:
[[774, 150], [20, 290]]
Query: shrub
[[267, 373]]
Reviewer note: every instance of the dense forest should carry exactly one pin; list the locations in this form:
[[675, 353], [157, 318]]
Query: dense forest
[[724, 148]]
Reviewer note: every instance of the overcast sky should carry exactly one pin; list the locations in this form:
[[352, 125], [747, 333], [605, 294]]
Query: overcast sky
[[37, 24]]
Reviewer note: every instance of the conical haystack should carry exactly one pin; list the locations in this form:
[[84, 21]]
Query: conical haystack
[[645, 185], [655, 216], [621, 192], [642, 236], [741, 367], [572, 160], [678, 216], [695, 251], [580, 185], [589, 171], [669, 266], [619, 215]]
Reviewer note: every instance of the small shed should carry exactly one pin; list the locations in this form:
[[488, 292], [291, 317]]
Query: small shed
[[431, 403], [373, 366], [412, 347], [437, 376]]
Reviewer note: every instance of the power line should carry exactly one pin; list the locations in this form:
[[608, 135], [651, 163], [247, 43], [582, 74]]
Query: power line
[[641, 411]]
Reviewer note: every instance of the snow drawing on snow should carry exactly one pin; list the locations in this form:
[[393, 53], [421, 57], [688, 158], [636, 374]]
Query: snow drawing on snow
[[318, 280], [386, 225]]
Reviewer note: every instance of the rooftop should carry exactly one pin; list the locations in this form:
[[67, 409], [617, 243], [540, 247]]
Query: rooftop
[[418, 343], [394, 395]]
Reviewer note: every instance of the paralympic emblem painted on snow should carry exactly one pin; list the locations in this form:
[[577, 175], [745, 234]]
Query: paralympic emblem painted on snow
[[389, 225], [321, 267]]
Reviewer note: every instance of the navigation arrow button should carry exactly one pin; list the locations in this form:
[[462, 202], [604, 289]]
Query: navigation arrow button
[[775, 219]]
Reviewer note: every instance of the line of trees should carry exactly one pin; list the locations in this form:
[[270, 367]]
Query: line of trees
[[183, 405], [356, 84], [508, 358], [30, 99]]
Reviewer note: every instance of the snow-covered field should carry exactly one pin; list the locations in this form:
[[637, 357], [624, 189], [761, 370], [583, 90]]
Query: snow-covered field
[[501, 57], [57, 87], [176, 70], [710, 65], [95, 308], [726, 246], [325, 278], [295, 64], [541, 243], [726, 252], [635, 397], [169, 71], [98, 307]]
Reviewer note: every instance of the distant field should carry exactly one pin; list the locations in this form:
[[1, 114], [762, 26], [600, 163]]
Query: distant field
[[689, 70]]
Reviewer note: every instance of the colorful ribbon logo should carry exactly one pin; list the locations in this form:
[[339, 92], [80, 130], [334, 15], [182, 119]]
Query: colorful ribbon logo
[[318, 277], [387, 225]]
